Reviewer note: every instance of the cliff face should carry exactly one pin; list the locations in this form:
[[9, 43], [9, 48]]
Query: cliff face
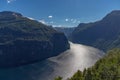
[[24, 41], [103, 34]]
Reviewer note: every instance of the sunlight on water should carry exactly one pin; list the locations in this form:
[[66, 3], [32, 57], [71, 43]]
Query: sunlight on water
[[65, 65], [78, 57]]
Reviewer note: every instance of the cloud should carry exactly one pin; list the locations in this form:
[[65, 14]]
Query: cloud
[[43, 21], [9, 1], [31, 18], [75, 21], [78, 21], [50, 16], [57, 25], [66, 20]]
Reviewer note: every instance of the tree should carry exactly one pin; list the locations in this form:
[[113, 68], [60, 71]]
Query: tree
[[58, 78], [77, 76]]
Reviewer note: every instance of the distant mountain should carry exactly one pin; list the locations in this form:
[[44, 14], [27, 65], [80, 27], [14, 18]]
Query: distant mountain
[[103, 34], [66, 30], [25, 41]]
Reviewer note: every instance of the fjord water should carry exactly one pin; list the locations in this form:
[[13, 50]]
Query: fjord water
[[65, 65]]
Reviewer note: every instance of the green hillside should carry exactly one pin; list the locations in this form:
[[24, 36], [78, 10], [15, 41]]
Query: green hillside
[[24, 41], [107, 68], [103, 34]]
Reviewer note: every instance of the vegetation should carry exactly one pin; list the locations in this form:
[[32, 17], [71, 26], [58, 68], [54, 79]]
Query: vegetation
[[24, 41], [14, 25], [58, 78], [103, 34], [107, 68]]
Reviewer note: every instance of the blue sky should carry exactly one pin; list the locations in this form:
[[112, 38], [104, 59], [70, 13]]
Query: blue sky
[[66, 13]]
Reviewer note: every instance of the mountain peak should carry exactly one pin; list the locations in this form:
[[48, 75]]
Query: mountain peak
[[115, 12], [114, 15], [10, 13], [104, 33], [24, 41]]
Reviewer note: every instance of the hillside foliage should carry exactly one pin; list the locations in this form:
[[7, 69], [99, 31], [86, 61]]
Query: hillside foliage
[[107, 68], [103, 34]]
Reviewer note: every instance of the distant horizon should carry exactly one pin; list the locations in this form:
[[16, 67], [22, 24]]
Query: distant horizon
[[61, 13]]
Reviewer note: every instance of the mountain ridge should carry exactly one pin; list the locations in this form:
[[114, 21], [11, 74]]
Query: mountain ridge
[[26, 41], [103, 34]]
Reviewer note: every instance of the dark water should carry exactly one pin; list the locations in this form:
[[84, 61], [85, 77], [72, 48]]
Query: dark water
[[65, 65]]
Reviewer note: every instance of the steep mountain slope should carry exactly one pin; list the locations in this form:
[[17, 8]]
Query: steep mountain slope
[[25, 41], [65, 65], [103, 34], [66, 30]]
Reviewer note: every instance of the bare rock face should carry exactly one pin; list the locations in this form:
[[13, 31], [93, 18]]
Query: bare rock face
[[24, 41]]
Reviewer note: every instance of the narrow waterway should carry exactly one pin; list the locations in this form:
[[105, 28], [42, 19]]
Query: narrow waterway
[[65, 65]]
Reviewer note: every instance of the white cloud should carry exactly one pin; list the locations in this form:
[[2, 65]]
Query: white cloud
[[54, 25], [78, 21], [74, 21], [31, 18], [43, 21], [66, 20], [9, 1], [57, 25], [50, 16]]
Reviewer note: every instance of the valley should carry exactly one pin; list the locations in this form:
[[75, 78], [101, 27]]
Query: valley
[[50, 41], [65, 65]]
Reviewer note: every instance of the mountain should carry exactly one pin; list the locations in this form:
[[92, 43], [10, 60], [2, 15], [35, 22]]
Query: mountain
[[78, 57], [103, 34], [24, 41], [66, 30], [107, 68]]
